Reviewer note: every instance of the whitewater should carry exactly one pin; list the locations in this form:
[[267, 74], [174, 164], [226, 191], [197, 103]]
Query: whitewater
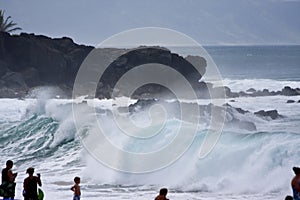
[[242, 164], [40, 132]]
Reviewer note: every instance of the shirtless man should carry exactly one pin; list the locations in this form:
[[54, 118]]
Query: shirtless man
[[162, 194], [296, 183], [76, 189], [8, 180]]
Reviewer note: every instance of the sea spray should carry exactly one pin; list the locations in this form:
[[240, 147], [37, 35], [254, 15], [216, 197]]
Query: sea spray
[[241, 163], [42, 95]]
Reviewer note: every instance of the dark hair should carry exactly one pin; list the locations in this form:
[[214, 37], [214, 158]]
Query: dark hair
[[76, 179], [9, 163], [30, 170], [288, 197], [296, 170], [163, 191]]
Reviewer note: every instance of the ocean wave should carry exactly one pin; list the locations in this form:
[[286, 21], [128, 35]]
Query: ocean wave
[[43, 134]]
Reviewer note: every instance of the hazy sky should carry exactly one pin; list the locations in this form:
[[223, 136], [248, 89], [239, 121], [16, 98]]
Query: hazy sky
[[207, 21]]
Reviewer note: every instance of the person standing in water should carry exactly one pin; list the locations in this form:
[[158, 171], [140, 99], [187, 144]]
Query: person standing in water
[[8, 181], [296, 183], [162, 194], [76, 189], [30, 185]]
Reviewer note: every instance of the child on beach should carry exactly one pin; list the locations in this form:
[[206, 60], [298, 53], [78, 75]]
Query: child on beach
[[76, 188], [162, 194]]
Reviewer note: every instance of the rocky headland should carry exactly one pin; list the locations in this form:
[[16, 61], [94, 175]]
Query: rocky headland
[[28, 61]]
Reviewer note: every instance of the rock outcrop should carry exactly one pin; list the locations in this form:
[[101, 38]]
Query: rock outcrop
[[286, 91], [234, 117], [273, 114], [290, 101], [28, 61], [158, 57]]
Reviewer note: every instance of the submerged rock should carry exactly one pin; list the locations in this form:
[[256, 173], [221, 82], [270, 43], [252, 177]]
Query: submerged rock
[[230, 116], [252, 90], [288, 91], [273, 114], [290, 101]]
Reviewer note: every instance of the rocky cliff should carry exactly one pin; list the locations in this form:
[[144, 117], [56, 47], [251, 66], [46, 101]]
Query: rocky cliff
[[28, 61]]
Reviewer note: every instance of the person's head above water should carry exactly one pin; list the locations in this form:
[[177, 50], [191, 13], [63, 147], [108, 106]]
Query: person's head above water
[[163, 191], [9, 164], [30, 171], [296, 170]]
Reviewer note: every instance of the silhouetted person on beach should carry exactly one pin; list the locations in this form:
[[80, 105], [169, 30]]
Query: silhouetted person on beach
[[162, 194], [289, 198], [76, 188], [296, 183], [8, 181], [30, 185]]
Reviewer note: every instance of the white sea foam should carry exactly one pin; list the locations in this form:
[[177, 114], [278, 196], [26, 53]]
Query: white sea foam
[[238, 159], [237, 85]]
